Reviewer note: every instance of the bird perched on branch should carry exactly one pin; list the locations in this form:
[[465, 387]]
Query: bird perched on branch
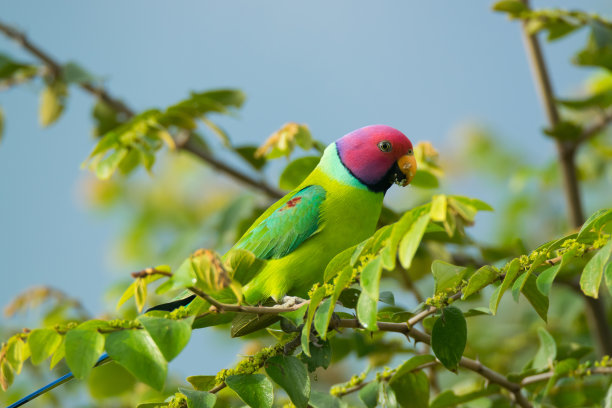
[[334, 208]]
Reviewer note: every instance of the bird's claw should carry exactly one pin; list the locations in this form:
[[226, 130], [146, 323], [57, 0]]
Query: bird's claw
[[289, 301]]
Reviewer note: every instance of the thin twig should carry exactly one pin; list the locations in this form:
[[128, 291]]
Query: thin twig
[[430, 310], [594, 129], [465, 362], [566, 151], [548, 375], [226, 307], [384, 378], [150, 272], [190, 146]]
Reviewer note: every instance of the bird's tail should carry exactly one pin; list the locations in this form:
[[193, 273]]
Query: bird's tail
[[104, 358]]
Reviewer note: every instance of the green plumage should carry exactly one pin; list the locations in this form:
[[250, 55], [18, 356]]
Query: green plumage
[[287, 226], [299, 234]]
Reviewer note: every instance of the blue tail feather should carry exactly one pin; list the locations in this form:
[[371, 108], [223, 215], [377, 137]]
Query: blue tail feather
[[65, 378]]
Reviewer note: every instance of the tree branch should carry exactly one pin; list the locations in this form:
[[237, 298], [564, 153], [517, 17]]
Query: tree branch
[[565, 151], [383, 378], [100, 92], [532, 379], [465, 362], [567, 154], [604, 120], [226, 307]]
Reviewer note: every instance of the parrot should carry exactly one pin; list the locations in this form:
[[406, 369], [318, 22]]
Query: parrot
[[336, 207]]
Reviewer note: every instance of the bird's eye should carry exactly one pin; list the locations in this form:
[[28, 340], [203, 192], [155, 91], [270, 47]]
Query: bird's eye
[[409, 151], [384, 146]]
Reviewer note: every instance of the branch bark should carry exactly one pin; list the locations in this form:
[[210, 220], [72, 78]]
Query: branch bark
[[55, 68], [465, 362], [226, 307]]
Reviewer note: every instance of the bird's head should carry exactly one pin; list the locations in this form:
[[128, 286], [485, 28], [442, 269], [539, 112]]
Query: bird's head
[[378, 156]]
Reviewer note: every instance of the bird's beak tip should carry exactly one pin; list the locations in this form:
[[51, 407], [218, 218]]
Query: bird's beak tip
[[408, 167]]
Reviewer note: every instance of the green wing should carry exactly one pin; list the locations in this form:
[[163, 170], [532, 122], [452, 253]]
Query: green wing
[[287, 226]]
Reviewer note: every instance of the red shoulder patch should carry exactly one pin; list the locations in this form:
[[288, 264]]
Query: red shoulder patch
[[291, 203]]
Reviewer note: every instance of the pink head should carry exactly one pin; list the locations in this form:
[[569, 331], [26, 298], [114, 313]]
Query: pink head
[[378, 156]]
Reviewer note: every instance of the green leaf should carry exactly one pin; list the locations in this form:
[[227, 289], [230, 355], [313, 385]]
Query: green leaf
[[424, 179], [608, 399], [74, 73], [387, 297], [595, 221], [608, 275], [410, 242], [51, 103], [6, 375], [243, 264], [449, 336], [366, 311], [545, 279], [137, 352], [109, 164], [297, 316], [590, 280], [598, 51], [370, 277], [340, 283], [411, 390], [202, 382], [513, 7], [369, 394], [398, 231], [248, 154], [535, 297], [171, 336], [323, 400], [296, 172], [412, 363], [474, 203], [291, 375], [255, 390], [480, 279], [43, 343], [110, 380], [320, 320], [438, 208], [338, 264], [547, 352], [183, 277], [518, 284], [511, 271], [17, 351], [315, 299], [198, 399], [478, 311], [565, 130], [320, 356], [448, 398], [446, 276], [83, 348]]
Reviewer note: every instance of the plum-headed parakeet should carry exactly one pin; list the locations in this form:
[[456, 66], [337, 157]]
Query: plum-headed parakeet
[[334, 208]]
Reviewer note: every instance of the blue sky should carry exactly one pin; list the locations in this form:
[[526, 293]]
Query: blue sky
[[423, 67]]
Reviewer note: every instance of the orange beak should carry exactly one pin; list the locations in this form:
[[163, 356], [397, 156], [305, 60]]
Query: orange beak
[[408, 166]]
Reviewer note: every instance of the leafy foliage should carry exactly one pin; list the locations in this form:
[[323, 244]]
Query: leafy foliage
[[366, 291]]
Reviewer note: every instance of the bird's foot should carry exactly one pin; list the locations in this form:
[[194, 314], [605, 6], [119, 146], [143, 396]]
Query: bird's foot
[[290, 301]]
